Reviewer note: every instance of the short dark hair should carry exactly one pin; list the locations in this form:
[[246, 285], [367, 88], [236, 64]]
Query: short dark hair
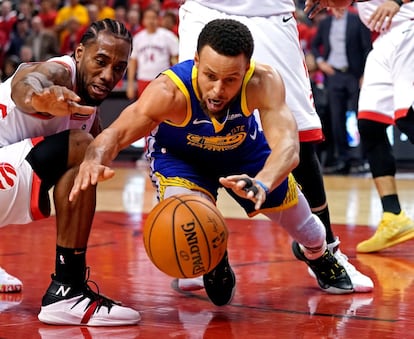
[[227, 37], [110, 26]]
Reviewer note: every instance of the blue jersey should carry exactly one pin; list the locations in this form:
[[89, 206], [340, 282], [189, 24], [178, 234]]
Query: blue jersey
[[202, 149]]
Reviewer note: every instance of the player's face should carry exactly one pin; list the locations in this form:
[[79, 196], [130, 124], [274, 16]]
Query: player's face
[[100, 65], [219, 79]]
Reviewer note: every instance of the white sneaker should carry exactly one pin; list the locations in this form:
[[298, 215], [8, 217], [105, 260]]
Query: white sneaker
[[8, 283], [66, 305], [361, 282]]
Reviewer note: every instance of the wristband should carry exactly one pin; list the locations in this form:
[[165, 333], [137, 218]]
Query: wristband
[[398, 2], [262, 185]]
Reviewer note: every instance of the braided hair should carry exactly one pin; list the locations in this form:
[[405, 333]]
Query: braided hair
[[110, 26]]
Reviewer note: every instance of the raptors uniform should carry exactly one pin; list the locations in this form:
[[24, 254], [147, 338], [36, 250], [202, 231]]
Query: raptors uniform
[[388, 87], [275, 35], [19, 133], [201, 149]]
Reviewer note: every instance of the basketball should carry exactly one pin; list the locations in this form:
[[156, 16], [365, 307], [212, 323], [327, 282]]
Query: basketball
[[185, 236]]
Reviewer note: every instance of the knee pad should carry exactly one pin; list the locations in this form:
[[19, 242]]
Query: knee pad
[[49, 158], [377, 148]]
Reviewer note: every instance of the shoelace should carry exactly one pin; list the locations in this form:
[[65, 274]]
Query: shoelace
[[95, 297], [328, 263]]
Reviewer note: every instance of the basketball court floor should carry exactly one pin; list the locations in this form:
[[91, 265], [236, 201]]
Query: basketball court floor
[[275, 296]]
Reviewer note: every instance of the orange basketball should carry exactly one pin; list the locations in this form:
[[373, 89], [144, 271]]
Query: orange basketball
[[185, 236]]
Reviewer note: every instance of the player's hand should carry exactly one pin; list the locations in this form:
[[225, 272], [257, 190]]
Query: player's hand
[[313, 7], [57, 101], [90, 173], [245, 187], [381, 19]]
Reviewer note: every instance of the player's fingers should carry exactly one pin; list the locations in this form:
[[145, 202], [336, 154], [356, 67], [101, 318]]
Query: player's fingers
[[80, 109]]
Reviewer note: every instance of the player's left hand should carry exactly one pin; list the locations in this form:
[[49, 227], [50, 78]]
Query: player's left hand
[[381, 19], [245, 187], [313, 7], [90, 173], [57, 101]]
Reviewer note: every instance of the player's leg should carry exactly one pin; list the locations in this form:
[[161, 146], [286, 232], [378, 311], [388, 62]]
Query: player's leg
[[69, 300], [309, 244], [387, 85]]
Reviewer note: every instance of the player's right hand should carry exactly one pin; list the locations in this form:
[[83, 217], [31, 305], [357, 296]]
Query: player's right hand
[[57, 101], [90, 173]]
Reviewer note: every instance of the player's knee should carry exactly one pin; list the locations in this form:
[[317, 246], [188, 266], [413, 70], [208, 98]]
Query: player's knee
[[377, 148], [78, 143]]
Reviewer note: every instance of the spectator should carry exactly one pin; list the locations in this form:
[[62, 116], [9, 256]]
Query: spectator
[[48, 13], [42, 41], [341, 46], [133, 20], [169, 21], [154, 49], [73, 10], [19, 34], [104, 11], [7, 17], [71, 39]]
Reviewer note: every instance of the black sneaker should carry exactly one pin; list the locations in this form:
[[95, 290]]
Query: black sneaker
[[220, 283], [65, 304], [331, 276]]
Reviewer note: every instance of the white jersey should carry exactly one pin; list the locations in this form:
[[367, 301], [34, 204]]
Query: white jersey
[[263, 8], [276, 43], [19, 132], [153, 51], [16, 125], [367, 8]]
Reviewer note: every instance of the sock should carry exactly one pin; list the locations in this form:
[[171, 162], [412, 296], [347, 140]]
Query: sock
[[326, 221], [390, 203], [313, 253], [70, 266]]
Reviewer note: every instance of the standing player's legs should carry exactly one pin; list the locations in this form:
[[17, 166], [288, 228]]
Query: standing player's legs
[[69, 300], [387, 92]]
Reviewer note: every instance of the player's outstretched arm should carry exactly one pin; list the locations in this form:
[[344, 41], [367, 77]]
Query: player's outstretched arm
[[46, 88]]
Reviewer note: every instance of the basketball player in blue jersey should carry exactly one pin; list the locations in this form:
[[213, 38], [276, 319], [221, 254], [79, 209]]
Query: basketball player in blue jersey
[[203, 135]]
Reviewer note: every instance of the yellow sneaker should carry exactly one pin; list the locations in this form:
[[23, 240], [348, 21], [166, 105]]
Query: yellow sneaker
[[392, 230]]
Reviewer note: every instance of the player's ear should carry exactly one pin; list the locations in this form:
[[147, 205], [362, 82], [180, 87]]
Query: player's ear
[[196, 59], [79, 52]]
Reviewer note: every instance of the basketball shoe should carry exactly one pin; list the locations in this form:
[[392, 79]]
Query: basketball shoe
[[392, 230], [8, 283], [361, 282], [331, 276], [220, 283], [65, 304]]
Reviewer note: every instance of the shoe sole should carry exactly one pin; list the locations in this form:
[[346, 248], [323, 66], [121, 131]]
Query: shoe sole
[[10, 288], [61, 318], [407, 235], [175, 285]]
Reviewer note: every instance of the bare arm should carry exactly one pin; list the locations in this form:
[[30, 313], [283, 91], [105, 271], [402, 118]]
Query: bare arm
[[267, 94], [161, 100], [46, 88]]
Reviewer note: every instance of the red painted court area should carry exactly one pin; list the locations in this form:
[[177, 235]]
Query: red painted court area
[[275, 296]]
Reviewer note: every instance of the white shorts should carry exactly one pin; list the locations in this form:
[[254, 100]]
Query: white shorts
[[388, 88], [19, 185], [276, 44]]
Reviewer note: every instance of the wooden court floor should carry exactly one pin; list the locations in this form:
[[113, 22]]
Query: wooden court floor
[[275, 296]]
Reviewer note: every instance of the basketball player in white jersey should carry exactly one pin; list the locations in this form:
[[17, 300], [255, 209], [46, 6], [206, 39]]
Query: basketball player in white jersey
[[386, 98], [47, 119], [275, 34], [154, 49]]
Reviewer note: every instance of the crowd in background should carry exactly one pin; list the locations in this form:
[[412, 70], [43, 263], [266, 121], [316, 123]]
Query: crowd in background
[[35, 30]]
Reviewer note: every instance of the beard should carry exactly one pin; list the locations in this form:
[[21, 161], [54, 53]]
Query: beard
[[83, 93]]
